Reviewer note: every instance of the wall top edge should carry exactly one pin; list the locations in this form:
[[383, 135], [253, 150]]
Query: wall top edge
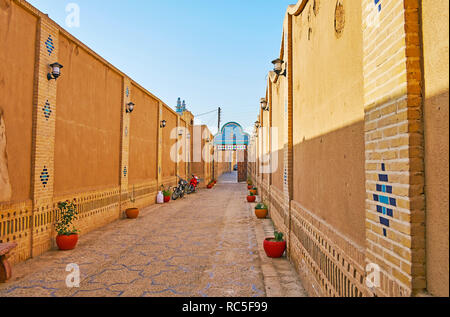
[[39, 14]]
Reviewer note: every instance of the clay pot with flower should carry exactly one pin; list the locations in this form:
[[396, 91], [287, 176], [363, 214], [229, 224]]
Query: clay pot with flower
[[254, 191], [261, 211], [132, 213], [67, 237], [275, 246], [251, 198], [167, 194]]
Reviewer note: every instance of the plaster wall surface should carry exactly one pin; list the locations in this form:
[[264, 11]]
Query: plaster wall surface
[[328, 117], [16, 99], [87, 138], [143, 137], [436, 121]]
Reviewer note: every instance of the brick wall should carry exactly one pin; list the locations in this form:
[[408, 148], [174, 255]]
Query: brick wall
[[395, 217]]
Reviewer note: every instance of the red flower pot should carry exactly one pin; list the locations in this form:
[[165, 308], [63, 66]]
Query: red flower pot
[[166, 199], [249, 187], [251, 199], [210, 186], [67, 242], [274, 249], [132, 213]]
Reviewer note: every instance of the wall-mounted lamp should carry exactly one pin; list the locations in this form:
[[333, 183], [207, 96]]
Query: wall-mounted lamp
[[56, 71], [264, 105], [130, 107], [163, 124], [278, 67], [257, 124]]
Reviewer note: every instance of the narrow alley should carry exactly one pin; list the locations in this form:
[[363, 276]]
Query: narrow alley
[[203, 245]]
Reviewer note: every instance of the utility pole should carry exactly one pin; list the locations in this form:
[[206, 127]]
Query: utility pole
[[219, 113]]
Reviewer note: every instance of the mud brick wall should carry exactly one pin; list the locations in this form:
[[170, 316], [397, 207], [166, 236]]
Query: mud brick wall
[[72, 138]]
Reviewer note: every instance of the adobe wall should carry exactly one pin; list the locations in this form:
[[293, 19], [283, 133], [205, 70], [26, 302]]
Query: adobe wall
[[364, 116], [72, 138], [436, 125], [143, 132], [328, 130], [87, 137], [16, 98]]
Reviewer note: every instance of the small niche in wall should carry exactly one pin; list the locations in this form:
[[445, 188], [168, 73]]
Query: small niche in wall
[[316, 7], [339, 18]]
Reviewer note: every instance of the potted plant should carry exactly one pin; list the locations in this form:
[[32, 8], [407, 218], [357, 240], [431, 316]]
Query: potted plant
[[132, 213], [210, 185], [254, 191], [276, 246], [251, 198], [167, 194], [261, 211], [67, 237], [249, 183]]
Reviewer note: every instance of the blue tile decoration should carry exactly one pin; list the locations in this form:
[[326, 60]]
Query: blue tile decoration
[[47, 110], [49, 45], [125, 171], [127, 92], [45, 176], [384, 221], [384, 201], [378, 5]]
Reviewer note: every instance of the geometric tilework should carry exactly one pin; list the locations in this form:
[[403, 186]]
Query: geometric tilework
[[378, 4], [49, 45], [47, 110], [127, 92], [385, 202], [45, 176], [125, 171]]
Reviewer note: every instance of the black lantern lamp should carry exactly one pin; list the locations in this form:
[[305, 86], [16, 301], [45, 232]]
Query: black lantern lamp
[[130, 107], [163, 124], [56, 71], [264, 105], [278, 67], [257, 124]]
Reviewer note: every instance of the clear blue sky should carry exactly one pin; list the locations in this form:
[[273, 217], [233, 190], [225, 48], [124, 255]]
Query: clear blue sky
[[209, 52]]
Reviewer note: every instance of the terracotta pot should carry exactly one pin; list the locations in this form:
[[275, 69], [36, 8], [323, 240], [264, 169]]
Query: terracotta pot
[[66, 243], [251, 199], [261, 213], [274, 249], [210, 186], [253, 191], [166, 199], [132, 213], [249, 187]]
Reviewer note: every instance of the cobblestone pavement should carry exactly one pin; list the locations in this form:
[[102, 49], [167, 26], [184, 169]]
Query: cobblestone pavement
[[203, 245]]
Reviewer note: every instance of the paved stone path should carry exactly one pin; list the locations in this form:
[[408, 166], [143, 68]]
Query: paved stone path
[[203, 245]]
